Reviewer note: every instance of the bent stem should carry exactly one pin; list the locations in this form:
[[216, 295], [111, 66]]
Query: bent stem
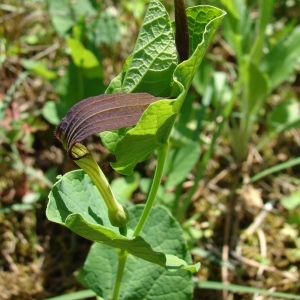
[[117, 214], [161, 158], [122, 256]]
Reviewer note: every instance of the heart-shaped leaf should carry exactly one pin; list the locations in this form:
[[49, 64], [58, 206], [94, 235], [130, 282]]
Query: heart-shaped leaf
[[75, 203], [142, 280]]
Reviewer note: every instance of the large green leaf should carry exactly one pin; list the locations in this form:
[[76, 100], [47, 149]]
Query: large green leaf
[[154, 57], [151, 65], [141, 280], [154, 127], [75, 203]]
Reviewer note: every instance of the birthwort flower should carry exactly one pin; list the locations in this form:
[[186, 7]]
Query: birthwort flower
[[92, 116]]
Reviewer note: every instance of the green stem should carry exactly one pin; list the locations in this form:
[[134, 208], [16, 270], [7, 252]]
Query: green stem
[[161, 158], [122, 256]]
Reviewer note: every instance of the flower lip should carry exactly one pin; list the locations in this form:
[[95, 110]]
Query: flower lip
[[100, 113]]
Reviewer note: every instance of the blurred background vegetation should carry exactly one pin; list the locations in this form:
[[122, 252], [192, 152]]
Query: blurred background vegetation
[[232, 177]]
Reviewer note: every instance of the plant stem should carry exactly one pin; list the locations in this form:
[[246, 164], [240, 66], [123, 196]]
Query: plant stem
[[161, 158], [182, 37], [122, 256]]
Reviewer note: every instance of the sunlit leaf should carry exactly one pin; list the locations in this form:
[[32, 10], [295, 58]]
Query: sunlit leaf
[[155, 125], [154, 57], [75, 202]]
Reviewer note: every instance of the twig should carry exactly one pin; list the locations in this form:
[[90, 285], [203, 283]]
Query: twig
[[225, 249], [227, 47], [13, 267], [255, 264], [263, 250], [259, 218], [45, 52]]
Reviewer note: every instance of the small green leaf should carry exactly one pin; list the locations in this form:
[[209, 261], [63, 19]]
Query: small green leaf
[[291, 202], [180, 162], [284, 116], [83, 57], [38, 69], [53, 112], [111, 138]]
